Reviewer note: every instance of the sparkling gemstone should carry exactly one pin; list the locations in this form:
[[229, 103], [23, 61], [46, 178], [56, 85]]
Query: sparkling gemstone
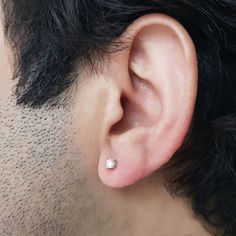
[[111, 164]]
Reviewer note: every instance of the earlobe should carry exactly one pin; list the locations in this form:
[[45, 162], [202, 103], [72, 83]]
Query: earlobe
[[160, 72]]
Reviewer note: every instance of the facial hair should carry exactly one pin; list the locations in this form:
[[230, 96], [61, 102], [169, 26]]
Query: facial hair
[[43, 185]]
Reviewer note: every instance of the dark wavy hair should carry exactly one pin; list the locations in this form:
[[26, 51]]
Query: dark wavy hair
[[52, 40]]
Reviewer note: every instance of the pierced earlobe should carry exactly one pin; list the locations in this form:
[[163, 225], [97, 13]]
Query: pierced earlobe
[[111, 164], [150, 102]]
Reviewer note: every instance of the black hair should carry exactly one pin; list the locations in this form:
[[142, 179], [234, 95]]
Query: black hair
[[53, 39]]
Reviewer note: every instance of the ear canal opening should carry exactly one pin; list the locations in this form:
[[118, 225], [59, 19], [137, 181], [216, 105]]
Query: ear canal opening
[[138, 108], [122, 125]]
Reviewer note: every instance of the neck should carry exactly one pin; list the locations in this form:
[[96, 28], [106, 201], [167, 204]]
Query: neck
[[151, 210]]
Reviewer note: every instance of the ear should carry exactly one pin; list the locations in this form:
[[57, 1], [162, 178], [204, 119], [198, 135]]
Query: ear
[[151, 104]]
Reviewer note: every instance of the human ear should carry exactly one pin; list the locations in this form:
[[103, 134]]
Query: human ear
[[151, 102]]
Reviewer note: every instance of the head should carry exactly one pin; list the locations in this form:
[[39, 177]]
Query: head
[[150, 84]]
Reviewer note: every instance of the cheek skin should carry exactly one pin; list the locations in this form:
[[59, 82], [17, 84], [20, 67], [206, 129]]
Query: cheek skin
[[6, 60], [39, 170], [89, 105], [48, 171]]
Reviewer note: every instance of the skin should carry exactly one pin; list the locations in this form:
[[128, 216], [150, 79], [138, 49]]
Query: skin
[[49, 178]]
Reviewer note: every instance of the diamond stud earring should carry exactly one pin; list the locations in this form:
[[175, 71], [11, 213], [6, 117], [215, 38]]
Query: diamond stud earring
[[111, 164]]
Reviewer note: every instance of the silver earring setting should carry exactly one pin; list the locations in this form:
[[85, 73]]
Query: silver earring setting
[[111, 164]]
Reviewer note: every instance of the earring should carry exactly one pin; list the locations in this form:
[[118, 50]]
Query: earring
[[111, 163]]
